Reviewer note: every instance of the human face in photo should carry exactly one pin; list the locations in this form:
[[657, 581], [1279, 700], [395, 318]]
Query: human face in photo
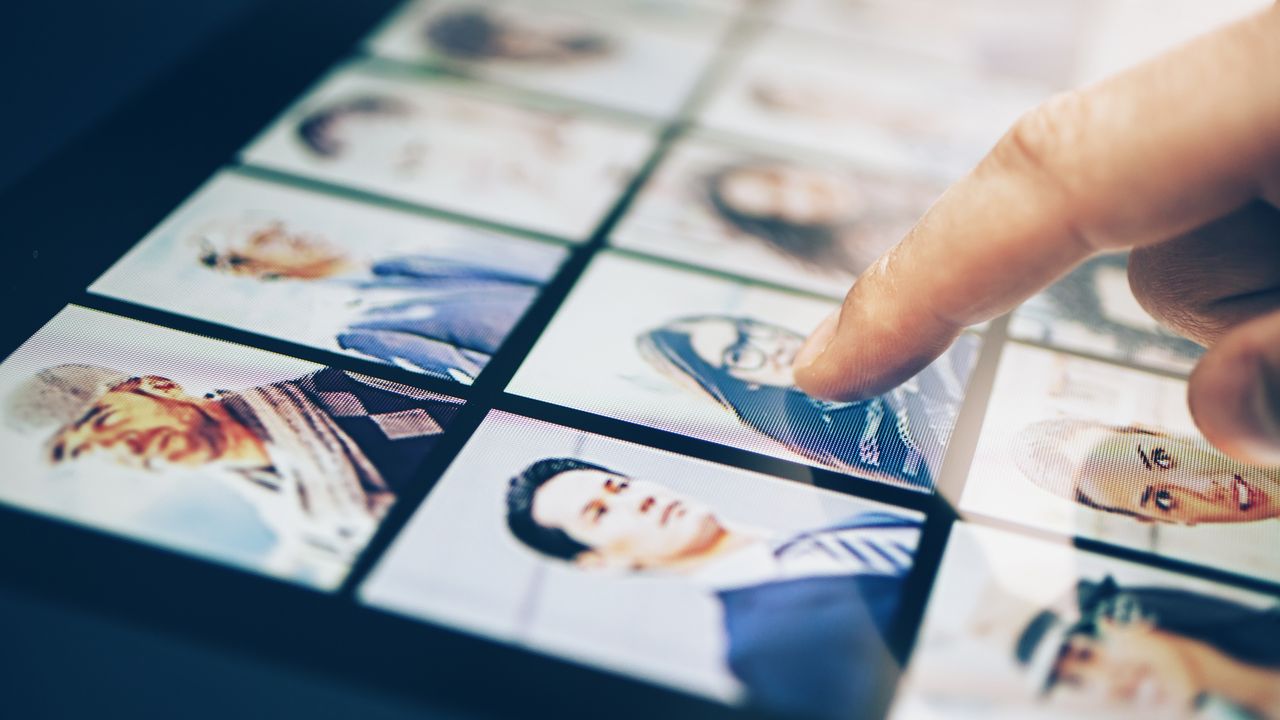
[[144, 421], [1176, 479], [268, 250], [753, 352], [1129, 665], [626, 522]]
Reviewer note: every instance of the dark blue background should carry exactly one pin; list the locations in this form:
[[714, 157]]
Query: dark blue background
[[63, 68]]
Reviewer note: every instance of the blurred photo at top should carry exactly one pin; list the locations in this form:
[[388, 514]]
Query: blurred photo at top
[[640, 56]]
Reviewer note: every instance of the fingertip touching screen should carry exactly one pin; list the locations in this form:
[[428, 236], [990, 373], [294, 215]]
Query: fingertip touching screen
[[491, 330]]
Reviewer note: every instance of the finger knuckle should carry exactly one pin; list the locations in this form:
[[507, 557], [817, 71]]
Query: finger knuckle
[[1044, 145], [1043, 139]]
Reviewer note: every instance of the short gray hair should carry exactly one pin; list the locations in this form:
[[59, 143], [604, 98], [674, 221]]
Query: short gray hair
[[59, 395]]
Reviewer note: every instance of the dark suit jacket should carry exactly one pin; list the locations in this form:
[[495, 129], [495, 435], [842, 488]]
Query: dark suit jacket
[[814, 647]]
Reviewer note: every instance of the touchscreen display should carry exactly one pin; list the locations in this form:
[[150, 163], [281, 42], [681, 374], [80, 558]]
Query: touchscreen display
[[492, 330]]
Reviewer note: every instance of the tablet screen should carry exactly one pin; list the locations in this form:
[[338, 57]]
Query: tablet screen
[[492, 330]]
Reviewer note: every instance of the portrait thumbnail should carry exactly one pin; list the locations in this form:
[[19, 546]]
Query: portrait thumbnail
[[444, 144], [1099, 451], [1019, 627], [783, 218], [1092, 310], [866, 102], [233, 454], [429, 296], [637, 56], [711, 359], [1036, 41], [716, 581]]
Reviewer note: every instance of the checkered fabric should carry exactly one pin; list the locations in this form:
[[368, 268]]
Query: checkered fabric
[[394, 425]]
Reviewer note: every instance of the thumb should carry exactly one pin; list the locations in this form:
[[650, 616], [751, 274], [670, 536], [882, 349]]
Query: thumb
[[1235, 392]]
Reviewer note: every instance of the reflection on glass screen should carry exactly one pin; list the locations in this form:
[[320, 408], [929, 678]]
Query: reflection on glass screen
[[601, 229]]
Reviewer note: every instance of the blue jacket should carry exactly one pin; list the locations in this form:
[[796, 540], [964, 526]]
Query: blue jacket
[[459, 314], [815, 647]]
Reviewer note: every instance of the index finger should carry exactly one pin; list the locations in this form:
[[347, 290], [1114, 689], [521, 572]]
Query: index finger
[[1141, 157]]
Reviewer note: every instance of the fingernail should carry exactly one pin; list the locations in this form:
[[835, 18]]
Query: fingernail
[[818, 341]]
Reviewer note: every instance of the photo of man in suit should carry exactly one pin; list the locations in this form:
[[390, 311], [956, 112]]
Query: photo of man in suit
[[805, 614]]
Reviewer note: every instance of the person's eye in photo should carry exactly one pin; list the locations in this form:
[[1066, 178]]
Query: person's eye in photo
[[1144, 473]]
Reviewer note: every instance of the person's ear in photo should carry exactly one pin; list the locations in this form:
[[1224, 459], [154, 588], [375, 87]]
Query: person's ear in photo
[[1145, 473], [805, 613]]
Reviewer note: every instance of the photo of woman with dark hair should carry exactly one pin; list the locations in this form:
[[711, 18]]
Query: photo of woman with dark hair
[[439, 142], [799, 221], [641, 57], [1157, 650], [1096, 450], [745, 366], [798, 212], [1146, 473], [1093, 310]]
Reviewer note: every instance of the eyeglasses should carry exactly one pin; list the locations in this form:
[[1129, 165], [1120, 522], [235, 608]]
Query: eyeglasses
[[743, 354]]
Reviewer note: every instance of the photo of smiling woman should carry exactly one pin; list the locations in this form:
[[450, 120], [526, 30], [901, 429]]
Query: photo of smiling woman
[[745, 366], [1095, 450], [1148, 474]]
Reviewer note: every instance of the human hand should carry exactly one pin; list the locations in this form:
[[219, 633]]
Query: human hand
[[1177, 158]]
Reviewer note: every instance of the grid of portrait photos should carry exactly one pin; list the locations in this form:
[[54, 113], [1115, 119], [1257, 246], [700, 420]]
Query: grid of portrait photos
[[540, 269]]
